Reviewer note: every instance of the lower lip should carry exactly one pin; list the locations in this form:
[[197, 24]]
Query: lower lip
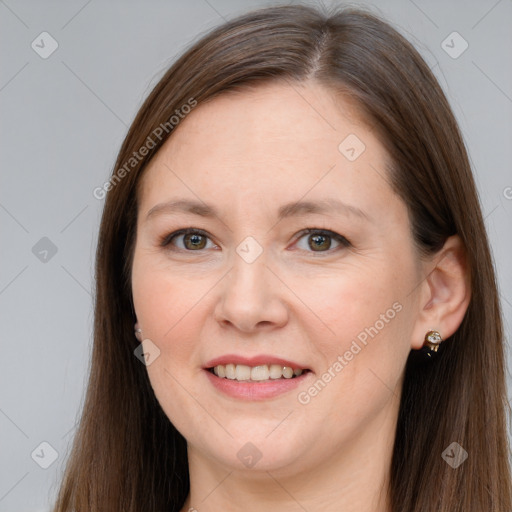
[[245, 390]]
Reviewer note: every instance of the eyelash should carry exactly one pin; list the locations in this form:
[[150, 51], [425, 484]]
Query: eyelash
[[166, 240]]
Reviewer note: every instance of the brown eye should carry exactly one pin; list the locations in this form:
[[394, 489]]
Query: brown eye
[[193, 240], [320, 240]]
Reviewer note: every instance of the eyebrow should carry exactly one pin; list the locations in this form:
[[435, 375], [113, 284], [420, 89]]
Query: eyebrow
[[293, 209]]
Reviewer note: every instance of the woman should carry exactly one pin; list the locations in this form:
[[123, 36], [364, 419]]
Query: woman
[[235, 368]]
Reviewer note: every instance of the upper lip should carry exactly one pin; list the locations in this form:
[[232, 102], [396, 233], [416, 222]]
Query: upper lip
[[257, 360]]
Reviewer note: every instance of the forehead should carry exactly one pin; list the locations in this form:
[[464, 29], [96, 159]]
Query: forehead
[[285, 119], [273, 142]]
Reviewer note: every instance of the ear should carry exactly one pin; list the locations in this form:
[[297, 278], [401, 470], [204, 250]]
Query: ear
[[444, 294]]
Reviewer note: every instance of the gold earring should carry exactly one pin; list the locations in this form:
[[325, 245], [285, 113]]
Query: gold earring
[[432, 341]]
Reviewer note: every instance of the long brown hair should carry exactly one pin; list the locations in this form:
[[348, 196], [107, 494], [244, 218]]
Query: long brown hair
[[127, 456]]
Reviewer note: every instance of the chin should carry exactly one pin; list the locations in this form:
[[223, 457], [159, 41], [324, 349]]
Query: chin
[[256, 451]]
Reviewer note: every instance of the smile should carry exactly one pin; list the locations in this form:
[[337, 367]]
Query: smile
[[265, 372]]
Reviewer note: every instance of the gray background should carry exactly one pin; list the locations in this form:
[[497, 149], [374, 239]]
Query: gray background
[[63, 120]]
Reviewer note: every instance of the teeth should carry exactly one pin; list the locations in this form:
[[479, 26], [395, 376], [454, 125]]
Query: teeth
[[287, 372], [276, 371], [242, 372], [259, 373], [230, 371]]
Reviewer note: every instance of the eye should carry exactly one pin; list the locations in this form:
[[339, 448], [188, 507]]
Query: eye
[[193, 239], [321, 239]]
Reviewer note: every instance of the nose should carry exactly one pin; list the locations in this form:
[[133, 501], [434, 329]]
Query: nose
[[252, 297]]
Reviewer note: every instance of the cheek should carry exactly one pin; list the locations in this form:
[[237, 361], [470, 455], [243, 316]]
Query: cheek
[[166, 306], [370, 319], [361, 304], [165, 302]]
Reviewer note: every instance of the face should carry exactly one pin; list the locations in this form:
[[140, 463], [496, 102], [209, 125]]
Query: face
[[250, 293]]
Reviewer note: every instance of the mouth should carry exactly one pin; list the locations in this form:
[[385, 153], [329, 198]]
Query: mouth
[[259, 373], [260, 377]]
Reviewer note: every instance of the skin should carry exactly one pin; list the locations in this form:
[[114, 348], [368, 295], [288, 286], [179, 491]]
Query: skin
[[247, 153]]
